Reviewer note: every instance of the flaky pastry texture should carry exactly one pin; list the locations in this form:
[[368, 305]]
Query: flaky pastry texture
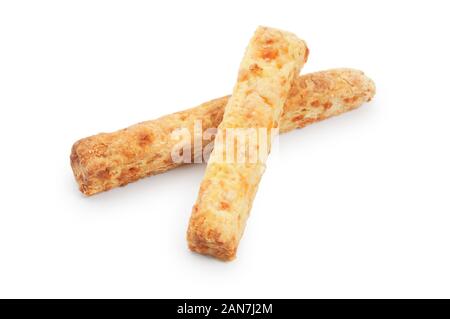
[[226, 194], [108, 160]]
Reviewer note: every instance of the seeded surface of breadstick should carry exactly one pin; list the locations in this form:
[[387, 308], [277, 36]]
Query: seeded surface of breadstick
[[226, 194], [107, 160]]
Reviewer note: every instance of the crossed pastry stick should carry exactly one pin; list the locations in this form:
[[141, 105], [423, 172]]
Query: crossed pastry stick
[[269, 94]]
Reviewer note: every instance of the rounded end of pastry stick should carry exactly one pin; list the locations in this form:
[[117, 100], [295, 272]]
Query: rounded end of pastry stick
[[286, 41], [204, 248], [76, 167], [213, 253], [362, 85], [207, 241], [371, 88], [354, 88], [318, 96], [79, 171]]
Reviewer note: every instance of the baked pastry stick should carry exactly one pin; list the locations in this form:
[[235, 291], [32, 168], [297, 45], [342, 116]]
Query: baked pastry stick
[[226, 194], [107, 160]]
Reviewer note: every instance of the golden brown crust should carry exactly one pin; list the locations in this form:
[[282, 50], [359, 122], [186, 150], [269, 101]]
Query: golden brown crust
[[226, 193], [321, 95], [109, 160]]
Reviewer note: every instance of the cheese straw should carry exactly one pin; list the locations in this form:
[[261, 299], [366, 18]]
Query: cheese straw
[[226, 194], [108, 160]]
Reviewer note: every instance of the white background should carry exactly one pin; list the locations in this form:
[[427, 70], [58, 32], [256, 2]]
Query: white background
[[355, 206]]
